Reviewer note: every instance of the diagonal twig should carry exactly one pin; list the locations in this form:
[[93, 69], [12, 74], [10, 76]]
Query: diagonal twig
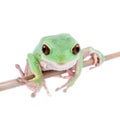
[[15, 83]]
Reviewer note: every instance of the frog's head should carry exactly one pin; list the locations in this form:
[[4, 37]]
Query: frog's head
[[61, 49]]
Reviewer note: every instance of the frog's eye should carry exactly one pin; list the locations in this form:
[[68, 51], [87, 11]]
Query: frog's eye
[[76, 49], [45, 49]]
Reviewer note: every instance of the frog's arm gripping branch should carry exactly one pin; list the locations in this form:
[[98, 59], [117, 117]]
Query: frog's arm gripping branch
[[15, 83]]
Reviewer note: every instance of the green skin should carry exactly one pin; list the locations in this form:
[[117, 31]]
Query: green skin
[[60, 57]]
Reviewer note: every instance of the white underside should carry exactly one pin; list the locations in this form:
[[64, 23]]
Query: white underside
[[47, 65]]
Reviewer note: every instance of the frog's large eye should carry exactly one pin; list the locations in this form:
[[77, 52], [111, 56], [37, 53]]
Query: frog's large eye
[[76, 49], [45, 49]]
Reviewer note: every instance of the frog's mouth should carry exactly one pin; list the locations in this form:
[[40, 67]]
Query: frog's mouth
[[48, 65], [64, 66]]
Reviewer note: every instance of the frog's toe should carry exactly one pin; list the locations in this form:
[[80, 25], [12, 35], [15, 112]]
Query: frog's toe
[[97, 60], [20, 70]]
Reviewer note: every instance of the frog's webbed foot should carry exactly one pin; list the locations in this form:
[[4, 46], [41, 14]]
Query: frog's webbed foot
[[33, 86], [63, 86], [97, 58], [66, 85], [36, 88]]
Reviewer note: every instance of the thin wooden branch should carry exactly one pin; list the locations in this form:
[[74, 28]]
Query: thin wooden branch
[[15, 83]]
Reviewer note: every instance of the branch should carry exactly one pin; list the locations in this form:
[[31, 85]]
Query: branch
[[15, 83]]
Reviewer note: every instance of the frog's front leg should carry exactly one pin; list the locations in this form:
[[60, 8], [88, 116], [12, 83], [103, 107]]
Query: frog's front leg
[[34, 84], [37, 82], [31, 85], [98, 57]]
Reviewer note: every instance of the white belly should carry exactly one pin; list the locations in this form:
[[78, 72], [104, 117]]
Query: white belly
[[46, 65]]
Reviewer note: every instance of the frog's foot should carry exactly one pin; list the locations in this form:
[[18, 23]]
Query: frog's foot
[[31, 85], [45, 87], [34, 87], [66, 85], [97, 58], [20, 70]]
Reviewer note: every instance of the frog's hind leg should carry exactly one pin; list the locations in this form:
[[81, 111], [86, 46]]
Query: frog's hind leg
[[63, 86], [46, 88], [69, 78]]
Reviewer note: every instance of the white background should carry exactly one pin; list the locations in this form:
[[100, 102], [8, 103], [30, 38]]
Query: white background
[[96, 23]]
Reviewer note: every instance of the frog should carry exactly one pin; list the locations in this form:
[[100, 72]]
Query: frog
[[60, 52]]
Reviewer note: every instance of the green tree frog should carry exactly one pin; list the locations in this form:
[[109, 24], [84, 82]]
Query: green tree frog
[[57, 52]]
